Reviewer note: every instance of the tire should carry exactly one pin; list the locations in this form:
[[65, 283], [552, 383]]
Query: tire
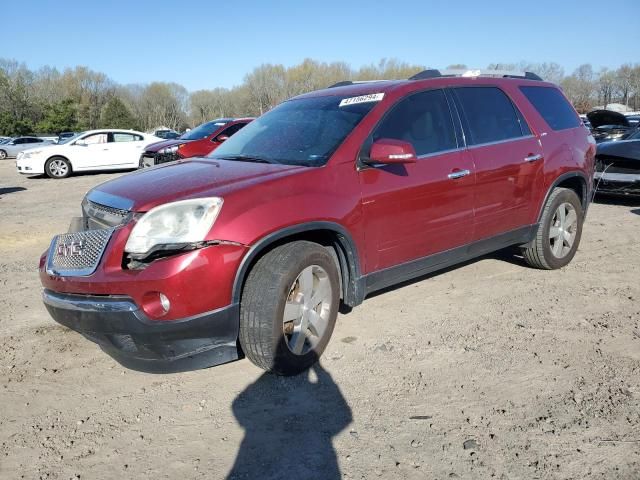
[[559, 231], [57, 167], [289, 277], [3, 154]]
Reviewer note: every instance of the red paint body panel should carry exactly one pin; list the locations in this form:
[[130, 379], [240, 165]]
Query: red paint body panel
[[393, 213], [195, 282]]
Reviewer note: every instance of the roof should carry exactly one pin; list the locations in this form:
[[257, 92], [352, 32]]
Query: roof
[[385, 86]]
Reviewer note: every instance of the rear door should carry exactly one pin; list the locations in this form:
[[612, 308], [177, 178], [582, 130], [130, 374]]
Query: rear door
[[124, 149], [507, 157], [415, 210]]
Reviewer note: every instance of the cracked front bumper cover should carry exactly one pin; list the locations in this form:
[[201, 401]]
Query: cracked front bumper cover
[[124, 332]]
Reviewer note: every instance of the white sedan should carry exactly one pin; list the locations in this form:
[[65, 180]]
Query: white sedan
[[93, 150]]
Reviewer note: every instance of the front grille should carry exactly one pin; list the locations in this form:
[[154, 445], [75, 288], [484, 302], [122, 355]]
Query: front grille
[[77, 253], [99, 216], [110, 210]]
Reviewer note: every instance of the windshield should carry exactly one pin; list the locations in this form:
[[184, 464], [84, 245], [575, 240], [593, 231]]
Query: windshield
[[63, 140], [297, 132], [202, 131]]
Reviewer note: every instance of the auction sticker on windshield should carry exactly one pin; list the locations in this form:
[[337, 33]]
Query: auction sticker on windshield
[[372, 97]]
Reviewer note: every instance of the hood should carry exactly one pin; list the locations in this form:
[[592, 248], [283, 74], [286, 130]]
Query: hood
[[623, 148], [598, 118], [184, 179], [155, 147]]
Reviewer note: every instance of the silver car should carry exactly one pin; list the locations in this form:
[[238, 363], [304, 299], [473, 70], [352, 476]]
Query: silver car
[[19, 144]]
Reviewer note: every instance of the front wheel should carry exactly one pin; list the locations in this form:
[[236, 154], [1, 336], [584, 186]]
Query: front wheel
[[57, 167], [559, 231], [289, 307], [3, 154]]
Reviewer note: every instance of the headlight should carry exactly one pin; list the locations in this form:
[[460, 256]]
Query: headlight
[[168, 150], [26, 155], [174, 224]]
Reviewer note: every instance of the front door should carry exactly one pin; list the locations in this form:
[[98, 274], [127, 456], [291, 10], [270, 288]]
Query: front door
[[415, 210], [90, 151]]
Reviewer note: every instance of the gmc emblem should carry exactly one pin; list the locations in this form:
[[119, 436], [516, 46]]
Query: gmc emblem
[[70, 249]]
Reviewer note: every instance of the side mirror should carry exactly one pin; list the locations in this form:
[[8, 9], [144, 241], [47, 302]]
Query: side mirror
[[80, 143], [388, 151], [222, 138]]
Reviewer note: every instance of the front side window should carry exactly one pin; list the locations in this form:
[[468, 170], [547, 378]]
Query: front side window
[[233, 129], [552, 106], [488, 115], [422, 119], [303, 131], [202, 131], [96, 138]]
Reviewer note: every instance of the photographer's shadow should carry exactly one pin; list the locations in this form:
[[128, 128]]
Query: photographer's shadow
[[289, 424]]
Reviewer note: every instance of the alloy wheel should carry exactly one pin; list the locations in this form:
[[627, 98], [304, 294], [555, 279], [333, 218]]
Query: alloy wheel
[[58, 168], [307, 310], [562, 233]]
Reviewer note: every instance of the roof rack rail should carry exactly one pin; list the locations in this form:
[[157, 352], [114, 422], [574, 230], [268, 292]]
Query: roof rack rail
[[353, 82], [433, 73]]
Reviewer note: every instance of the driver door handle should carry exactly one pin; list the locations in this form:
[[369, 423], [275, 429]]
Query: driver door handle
[[458, 174], [532, 158]]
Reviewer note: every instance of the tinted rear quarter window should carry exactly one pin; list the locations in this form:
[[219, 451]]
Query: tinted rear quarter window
[[552, 106], [489, 115]]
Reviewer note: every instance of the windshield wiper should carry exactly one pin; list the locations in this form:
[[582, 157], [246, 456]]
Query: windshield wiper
[[246, 158]]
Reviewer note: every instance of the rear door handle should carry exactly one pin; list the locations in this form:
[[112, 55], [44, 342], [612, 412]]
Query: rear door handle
[[532, 158], [458, 174]]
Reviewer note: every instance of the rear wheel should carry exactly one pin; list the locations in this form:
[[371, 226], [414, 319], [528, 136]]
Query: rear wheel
[[289, 307], [3, 154], [57, 167], [559, 231]]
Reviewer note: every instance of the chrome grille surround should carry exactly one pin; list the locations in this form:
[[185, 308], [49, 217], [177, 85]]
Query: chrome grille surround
[[77, 254]]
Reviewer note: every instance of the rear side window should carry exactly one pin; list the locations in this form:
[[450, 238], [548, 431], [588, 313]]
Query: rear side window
[[489, 115], [552, 106], [422, 119]]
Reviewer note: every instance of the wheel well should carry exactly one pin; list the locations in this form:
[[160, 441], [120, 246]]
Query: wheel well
[[339, 247], [578, 185]]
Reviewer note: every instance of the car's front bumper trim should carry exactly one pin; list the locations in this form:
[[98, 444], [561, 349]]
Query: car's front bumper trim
[[123, 331]]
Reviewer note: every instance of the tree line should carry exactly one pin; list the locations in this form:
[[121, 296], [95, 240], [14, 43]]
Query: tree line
[[49, 101]]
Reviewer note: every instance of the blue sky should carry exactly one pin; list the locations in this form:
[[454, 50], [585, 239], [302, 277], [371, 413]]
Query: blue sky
[[206, 44]]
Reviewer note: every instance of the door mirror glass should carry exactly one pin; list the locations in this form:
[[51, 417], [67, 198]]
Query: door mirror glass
[[222, 138], [390, 151], [81, 143]]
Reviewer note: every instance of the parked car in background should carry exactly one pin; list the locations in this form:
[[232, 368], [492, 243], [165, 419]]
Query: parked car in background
[[166, 134], [618, 166], [65, 136], [322, 200], [198, 142], [13, 147], [106, 149], [607, 125], [4, 140]]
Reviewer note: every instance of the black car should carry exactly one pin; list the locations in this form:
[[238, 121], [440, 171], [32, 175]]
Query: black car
[[618, 165], [607, 125]]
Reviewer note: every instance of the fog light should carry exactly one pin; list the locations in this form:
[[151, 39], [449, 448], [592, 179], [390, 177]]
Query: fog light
[[164, 301], [155, 304]]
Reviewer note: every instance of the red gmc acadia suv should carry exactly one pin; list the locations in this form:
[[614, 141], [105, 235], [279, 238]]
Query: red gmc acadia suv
[[324, 199]]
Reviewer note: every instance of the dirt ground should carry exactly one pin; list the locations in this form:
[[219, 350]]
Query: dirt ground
[[487, 370]]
